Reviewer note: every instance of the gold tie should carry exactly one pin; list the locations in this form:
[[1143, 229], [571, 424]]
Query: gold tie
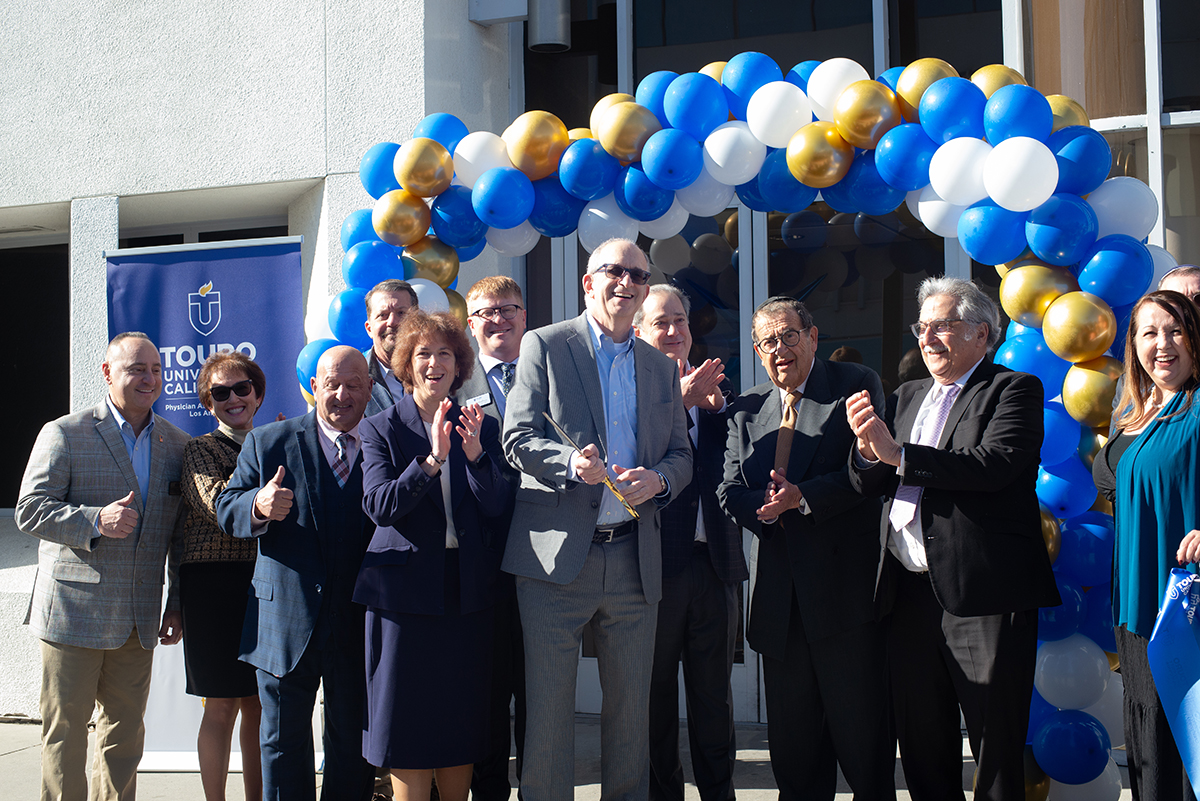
[[787, 429]]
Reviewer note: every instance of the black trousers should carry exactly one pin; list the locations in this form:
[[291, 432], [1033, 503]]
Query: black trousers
[[489, 780]]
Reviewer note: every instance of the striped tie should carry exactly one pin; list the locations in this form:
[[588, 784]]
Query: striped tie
[[341, 466], [904, 505]]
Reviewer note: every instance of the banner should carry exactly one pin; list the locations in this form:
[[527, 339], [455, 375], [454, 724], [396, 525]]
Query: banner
[[195, 300], [1174, 656]]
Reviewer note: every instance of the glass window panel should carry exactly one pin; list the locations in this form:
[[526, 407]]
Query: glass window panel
[[1180, 54], [966, 33], [1181, 193], [1129, 154]]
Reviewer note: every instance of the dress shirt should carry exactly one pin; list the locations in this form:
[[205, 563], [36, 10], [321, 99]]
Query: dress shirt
[[138, 448], [492, 373], [618, 384], [447, 504]]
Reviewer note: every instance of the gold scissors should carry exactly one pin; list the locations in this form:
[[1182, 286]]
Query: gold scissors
[[608, 482]]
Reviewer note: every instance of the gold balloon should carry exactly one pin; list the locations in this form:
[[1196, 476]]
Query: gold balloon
[[536, 140], [575, 134], [864, 112], [995, 76], [1079, 326], [434, 260], [1114, 661], [818, 156], [1001, 270], [603, 105], [1087, 391], [1102, 505], [915, 79], [423, 167], [458, 306], [624, 129], [1026, 257], [1091, 441], [731, 230], [714, 70], [1066, 112], [400, 218], [1037, 783], [1026, 292], [1051, 534]]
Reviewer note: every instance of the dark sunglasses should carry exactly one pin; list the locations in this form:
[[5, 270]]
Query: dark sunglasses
[[616, 272], [241, 389]]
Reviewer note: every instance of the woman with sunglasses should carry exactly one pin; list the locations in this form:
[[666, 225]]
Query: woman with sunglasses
[[215, 575]]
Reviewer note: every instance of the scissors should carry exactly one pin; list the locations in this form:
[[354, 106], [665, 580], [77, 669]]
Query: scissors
[[608, 482]]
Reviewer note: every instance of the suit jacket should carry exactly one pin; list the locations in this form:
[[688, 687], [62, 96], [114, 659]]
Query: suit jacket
[[381, 396], [979, 510], [404, 568], [308, 561], [677, 521], [554, 517], [826, 559], [91, 591]]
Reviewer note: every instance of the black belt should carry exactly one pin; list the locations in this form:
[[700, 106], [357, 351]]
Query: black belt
[[610, 533]]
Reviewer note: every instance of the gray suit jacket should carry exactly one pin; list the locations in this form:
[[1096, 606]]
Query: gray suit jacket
[[381, 396], [555, 517], [91, 591]]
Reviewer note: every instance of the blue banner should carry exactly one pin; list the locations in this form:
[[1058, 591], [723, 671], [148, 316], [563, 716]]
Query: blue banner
[[1174, 656], [196, 300]]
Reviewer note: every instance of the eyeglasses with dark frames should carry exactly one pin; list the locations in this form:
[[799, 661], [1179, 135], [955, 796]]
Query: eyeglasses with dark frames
[[787, 339], [618, 271], [938, 326], [507, 311], [220, 393]]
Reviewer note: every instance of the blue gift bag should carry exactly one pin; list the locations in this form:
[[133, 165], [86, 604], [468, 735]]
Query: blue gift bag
[[1174, 654]]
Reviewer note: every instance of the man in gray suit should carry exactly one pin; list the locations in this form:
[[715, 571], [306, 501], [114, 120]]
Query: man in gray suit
[[386, 304], [101, 491], [580, 558]]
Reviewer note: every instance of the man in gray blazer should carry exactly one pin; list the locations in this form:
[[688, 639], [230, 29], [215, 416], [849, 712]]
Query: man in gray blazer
[[101, 491], [579, 557], [387, 303]]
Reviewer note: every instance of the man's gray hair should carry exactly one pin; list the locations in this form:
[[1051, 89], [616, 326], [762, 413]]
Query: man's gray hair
[[970, 303], [662, 289], [1182, 271], [121, 337], [594, 261]]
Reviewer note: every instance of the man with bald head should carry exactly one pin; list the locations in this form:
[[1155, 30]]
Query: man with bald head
[[298, 490]]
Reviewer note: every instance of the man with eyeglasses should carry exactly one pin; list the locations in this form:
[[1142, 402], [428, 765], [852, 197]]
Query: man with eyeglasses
[[386, 304], [581, 560], [965, 567], [811, 617]]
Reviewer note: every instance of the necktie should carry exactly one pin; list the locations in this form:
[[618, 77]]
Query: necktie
[[787, 429], [341, 465], [508, 375], [904, 505]]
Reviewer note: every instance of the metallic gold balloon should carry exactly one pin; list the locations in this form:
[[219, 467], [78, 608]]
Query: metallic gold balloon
[[423, 167], [1102, 505], [714, 70], [731, 230], [995, 76], [1079, 326], [1114, 661], [1066, 112], [400, 217], [624, 129], [536, 140], [1087, 391], [434, 260], [915, 79], [1026, 257], [603, 105], [1001, 270], [1051, 534], [865, 111], [1026, 292], [818, 156], [458, 306], [1037, 783], [1091, 441], [576, 134]]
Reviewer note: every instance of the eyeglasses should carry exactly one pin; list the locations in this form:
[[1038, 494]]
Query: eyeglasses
[[617, 271], [507, 311], [787, 339], [221, 393], [938, 327]]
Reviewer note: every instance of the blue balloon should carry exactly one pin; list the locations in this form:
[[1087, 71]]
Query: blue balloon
[[468, 253], [348, 318], [1087, 548], [357, 228], [587, 171], [368, 263], [1039, 711], [1061, 439], [1015, 329], [1066, 488], [799, 74], [672, 159], [804, 231], [443, 128], [695, 226], [375, 169], [1017, 110], [1098, 625], [1123, 314], [638, 197], [990, 233], [869, 193], [779, 188], [1072, 747], [903, 155], [652, 90], [1118, 268], [890, 77], [950, 108], [454, 219], [555, 210], [1084, 158], [745, 74], [1060, 622], [696, 104], [750, 195], [839, 198], [310, 354], [502, 197], [1061, 230], [1029, 353]]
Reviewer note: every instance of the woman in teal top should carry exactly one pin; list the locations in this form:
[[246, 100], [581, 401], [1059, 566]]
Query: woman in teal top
[[1150, 469]]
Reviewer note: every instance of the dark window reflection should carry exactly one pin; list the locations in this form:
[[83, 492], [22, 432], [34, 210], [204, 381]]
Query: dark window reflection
[[1180, 54], [966, 33]]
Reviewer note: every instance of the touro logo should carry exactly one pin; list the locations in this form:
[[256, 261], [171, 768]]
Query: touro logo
[[204, 309]]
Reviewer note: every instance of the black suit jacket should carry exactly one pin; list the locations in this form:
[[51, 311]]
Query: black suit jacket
[[979, 509], [827, 559]]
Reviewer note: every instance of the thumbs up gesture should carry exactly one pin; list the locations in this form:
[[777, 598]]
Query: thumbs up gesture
[[118, 519], [274, 501]]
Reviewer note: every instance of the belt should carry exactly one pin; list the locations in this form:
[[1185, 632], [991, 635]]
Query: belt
[[610, 533]]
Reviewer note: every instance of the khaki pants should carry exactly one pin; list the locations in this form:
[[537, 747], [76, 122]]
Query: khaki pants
[[75, 681]]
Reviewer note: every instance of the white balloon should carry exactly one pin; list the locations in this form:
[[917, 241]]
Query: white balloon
[[513, 242], [956, 170], [912, 200], [732, 154], [1124, 205], [430, 297], [477, 153], [667, 225], [602, 220], [829, 80], [776, 111], [1110, 710], [1071, 673], [938, 215], [670, 255], [1020, 174], [706, 196], [1164, 262], [1105, 787]]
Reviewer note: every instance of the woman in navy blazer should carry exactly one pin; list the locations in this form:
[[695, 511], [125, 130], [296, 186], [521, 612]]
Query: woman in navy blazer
[[432, 485]]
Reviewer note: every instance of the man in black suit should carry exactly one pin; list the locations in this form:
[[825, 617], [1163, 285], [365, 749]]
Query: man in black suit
[[386, 304], [703, 565], [966, 567], [496, 318], [811, 617]]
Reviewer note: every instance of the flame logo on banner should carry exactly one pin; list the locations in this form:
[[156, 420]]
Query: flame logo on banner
[[204, 309]]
